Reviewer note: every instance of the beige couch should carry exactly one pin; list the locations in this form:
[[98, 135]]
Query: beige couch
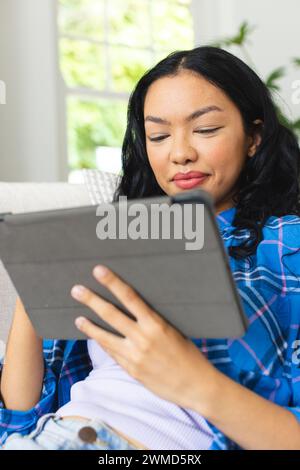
[[29, 197]]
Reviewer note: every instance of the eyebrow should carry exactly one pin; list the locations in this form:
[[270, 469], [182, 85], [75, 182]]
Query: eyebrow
[[191, 117]]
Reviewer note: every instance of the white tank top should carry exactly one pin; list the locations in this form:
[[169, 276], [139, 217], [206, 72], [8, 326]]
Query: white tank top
[[122, 402]]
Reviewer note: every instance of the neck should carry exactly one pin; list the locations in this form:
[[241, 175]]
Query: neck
[[225, 203], [223, 206]]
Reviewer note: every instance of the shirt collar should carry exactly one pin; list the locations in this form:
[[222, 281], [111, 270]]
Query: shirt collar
[[225, 218]]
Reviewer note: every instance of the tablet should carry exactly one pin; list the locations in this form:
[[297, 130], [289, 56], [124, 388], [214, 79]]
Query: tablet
[[168, 248]]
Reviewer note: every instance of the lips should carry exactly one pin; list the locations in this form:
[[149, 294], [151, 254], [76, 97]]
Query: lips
[[189, 175], [189, 180]]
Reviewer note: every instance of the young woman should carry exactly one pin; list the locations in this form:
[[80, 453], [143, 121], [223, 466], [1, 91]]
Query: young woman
[[204, 116]]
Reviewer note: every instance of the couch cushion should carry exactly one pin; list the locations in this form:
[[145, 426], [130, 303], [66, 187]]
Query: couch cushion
[[27, 197]]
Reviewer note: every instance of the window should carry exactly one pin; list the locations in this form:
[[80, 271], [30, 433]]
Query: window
[[105, 47]]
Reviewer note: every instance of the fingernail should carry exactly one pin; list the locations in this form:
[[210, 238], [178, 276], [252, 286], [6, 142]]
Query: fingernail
[[79, 322], [100, 271], [77, 291]]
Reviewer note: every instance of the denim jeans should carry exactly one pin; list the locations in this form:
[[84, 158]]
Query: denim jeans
[[55, 433]]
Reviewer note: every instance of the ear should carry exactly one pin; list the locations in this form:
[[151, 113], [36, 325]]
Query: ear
[[255, 138]]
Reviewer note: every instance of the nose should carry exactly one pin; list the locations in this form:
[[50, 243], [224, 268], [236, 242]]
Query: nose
[[182, 152]]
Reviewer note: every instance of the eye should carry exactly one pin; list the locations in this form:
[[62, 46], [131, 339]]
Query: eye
[[208, 131], [157, 139]]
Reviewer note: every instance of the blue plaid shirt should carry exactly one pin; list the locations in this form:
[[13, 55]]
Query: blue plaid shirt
[[266, 359]]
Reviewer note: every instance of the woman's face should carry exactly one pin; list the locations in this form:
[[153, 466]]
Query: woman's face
[[212, 142]]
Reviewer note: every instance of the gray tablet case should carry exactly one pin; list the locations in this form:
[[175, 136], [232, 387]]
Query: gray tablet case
[[46, 253]]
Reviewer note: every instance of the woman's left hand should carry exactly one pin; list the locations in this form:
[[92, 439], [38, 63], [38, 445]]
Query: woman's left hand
[[151, 350]]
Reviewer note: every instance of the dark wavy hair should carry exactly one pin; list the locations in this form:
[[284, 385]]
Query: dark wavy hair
[[269, 182]]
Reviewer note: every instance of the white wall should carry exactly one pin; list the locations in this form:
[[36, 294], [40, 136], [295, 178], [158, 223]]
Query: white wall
[[273, 43], [32, 144]]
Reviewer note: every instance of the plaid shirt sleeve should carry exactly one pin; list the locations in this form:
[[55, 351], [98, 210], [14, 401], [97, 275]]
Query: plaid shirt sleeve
[[267, 359], [66, 362]]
